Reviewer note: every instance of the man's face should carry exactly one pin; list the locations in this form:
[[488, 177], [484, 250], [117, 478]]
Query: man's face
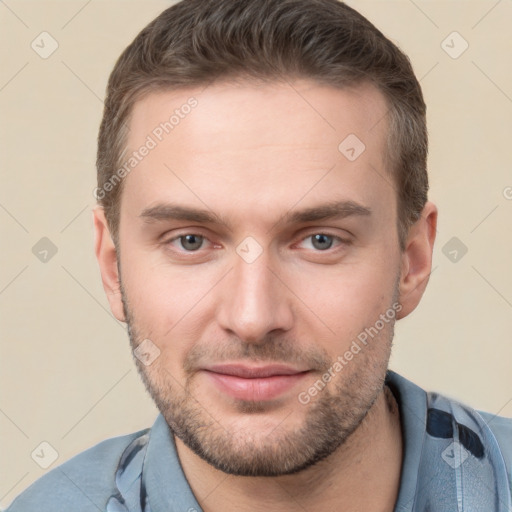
[[253, 253]]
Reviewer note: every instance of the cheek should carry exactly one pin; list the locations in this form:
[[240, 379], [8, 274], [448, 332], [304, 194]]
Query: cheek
[[164, 300], [343, 301]]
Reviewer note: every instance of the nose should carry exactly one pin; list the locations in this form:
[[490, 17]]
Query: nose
[[254, 302]]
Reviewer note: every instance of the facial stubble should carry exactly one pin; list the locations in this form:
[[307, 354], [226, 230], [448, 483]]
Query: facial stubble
[[328, 421]]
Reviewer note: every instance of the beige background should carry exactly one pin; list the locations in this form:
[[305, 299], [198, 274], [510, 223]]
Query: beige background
[[67, 377]]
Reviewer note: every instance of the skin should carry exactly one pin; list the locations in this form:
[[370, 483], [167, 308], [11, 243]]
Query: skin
[[253, 155]]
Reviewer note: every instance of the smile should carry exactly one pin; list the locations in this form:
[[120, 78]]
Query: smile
[[252, 383]]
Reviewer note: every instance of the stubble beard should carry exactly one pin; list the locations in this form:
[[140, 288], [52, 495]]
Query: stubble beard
[[328, 421]]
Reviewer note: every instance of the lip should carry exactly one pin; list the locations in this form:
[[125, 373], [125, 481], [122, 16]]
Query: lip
[[254, 383]]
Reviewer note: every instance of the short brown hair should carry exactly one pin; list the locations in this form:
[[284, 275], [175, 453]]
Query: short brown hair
[[196, 42]]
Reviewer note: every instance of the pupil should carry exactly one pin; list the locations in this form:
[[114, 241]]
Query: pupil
[[191, 242], [322, 241]]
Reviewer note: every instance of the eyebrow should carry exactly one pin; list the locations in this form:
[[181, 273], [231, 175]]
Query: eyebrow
[[331, 210], [167, 211]]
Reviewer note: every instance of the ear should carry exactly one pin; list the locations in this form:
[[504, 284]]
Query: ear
[[106, 255], [417, 259]]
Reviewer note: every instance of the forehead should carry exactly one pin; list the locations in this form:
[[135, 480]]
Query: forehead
[[264, 144], [295, 110]]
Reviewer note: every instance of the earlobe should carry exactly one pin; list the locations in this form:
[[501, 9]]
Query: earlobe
[[417, 259], [106, 255]]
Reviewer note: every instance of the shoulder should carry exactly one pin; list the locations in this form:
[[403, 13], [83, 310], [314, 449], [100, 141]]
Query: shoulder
[[447, 442], [502, 429], [486, 436], [83, 483]]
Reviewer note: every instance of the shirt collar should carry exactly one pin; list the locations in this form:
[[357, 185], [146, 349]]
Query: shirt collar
[[412, 403], [167, 488]]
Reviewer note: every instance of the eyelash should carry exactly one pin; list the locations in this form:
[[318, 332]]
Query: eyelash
[[341, 242]]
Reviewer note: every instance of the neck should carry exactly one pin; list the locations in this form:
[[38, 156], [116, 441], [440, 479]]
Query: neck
[[362, 474]]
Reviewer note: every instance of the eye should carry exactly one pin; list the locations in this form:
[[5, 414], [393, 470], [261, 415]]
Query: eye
[[320, 241], [190, 242]]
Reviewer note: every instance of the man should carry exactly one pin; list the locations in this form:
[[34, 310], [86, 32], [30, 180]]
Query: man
[[262, 223]]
